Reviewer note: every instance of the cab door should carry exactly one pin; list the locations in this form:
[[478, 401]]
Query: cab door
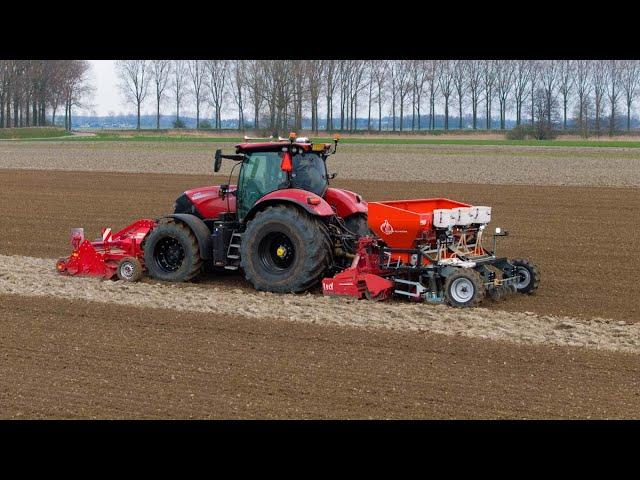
[[260, 174]]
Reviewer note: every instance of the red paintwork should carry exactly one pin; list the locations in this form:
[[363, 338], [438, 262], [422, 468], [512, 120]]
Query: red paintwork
[[100, 258], [345, 202], [400, 223], [209, 203], [363, 278], [298, 196]]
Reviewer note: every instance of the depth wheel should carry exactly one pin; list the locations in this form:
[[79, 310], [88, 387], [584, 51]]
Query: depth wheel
[[464, 288], [528, 276], [129, 269]]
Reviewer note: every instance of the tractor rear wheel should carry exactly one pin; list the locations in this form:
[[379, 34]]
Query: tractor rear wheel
[[357, 223], [171, 253], [464, 288], [285, 250], [528, 276]]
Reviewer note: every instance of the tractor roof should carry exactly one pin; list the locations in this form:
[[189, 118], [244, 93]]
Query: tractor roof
[[268, 146]]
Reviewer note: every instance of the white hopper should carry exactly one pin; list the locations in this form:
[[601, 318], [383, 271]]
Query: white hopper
[[481, 214], [462, 216], [442, 218]]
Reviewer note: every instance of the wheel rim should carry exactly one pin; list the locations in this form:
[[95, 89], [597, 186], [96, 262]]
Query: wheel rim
[[127, 270], [169, 254], [462, 290], [277, 252], [524, 278]]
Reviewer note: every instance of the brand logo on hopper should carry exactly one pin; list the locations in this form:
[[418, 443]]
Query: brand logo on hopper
[[388, 229]]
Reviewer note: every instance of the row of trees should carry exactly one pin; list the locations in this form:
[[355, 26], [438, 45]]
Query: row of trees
[[276, 94], [31, 91]]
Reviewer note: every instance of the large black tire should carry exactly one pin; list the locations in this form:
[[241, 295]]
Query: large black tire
[[464, 288], [357, 223], [284, 249], [529, 276], [171, 253]]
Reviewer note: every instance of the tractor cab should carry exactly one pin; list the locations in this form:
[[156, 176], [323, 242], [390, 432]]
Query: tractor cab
[[285, 164]]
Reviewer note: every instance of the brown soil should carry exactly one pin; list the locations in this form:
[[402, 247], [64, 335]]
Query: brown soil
[[80, 359], [475, 164], [580, 237]]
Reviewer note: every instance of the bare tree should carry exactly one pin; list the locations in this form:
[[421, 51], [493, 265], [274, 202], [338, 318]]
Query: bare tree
[[460, 85], [178, 84], [134, 82], [218, 72], [161, 70], [403, 84], [431, 67], [239, 87], [380, 70], [474, 83], [629, 78], [76, 88], [613, 90], [599, 83], [445, 82], [197, 75], [419, 74], [356, 86], [315, 72], [566, 81], [504, 82], [522, 75], [534, 78], [331, 76], [582, 72], [255, 88], [549, 70], [488, 83]]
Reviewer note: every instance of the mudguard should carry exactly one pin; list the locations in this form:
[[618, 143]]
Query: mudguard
[[297, 197], [345, 202], [199, 229]]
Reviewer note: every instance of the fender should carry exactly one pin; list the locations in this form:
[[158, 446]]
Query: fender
[[345, 202], [295, 196], [199, 229]]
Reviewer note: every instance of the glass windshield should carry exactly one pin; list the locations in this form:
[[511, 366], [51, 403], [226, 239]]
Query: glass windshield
[[260, 175], [309, 173]]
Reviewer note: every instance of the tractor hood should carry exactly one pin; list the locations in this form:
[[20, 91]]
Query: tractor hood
[[206, 202]]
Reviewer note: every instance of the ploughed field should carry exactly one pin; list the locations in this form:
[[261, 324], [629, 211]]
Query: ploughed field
[[216, 348]]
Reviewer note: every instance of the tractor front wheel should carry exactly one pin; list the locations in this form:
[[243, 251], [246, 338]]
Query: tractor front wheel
[[285, 250]]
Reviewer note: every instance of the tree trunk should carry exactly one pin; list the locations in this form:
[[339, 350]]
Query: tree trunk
[[138, 123], [446, 113], [158, 112]]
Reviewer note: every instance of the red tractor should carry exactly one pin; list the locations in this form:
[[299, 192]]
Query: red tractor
[[282, 223], [287, 229]]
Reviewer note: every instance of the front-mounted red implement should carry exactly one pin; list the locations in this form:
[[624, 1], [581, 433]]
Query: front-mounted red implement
[[118, 254]]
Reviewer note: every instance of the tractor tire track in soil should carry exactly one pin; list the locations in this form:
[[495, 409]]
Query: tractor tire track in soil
[[37, 277], [78, 359], [579, 237]]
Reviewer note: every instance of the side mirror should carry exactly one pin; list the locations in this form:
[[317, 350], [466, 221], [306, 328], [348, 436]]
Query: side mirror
[[217, 163]]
